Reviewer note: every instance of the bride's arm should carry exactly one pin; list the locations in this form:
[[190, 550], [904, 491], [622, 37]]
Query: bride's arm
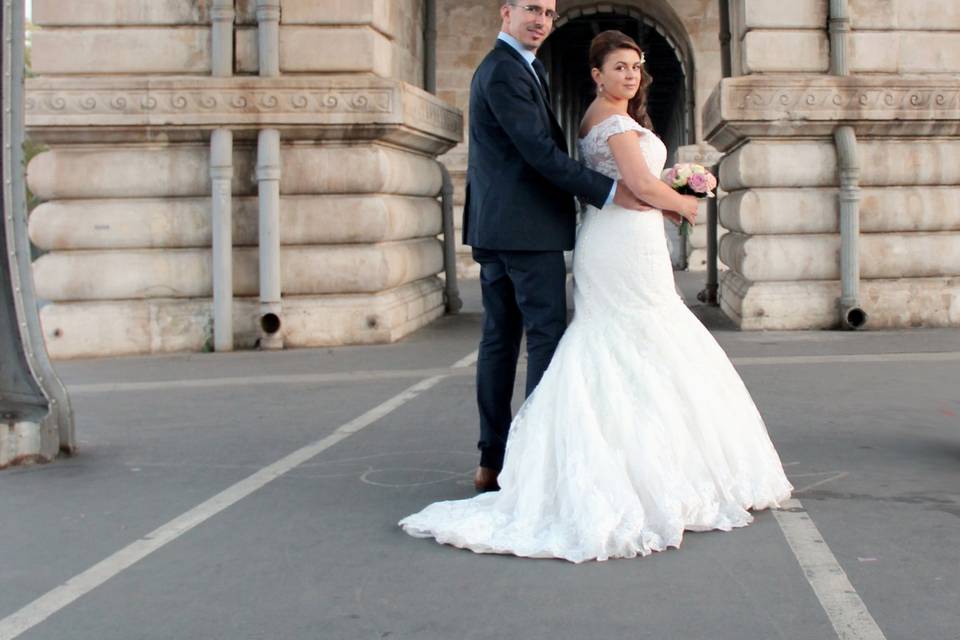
[[637, 177]]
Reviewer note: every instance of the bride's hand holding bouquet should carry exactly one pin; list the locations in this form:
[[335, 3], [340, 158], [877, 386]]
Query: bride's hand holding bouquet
[[691, 180]]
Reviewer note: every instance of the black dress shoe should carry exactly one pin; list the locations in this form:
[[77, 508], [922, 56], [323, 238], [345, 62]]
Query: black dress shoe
[[485, 479]]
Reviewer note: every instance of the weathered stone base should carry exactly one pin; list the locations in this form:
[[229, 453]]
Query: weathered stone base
[[165, 325], [900, 303], [22, 443]]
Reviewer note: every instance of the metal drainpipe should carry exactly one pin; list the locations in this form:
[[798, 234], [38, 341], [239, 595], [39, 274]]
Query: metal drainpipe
[[268, 180], [221, 176], [222, 15], [452, 290], [711, 292], [451, 294], [430, 46], [726, 64], [852, 316]]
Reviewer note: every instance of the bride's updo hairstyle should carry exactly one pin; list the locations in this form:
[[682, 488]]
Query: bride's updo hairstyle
[[605, 44]]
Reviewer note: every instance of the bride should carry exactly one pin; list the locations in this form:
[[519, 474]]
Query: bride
[[640, 429]]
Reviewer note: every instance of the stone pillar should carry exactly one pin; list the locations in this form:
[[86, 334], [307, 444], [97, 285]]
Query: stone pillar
[[776, 122], [126, 220]]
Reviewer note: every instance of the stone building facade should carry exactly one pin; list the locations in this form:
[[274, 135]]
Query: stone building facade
[[825, 113]]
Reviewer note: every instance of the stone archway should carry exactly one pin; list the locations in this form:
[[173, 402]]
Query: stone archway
[[669, 61]]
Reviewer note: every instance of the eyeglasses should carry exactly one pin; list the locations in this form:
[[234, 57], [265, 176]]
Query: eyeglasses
[[537, 11]]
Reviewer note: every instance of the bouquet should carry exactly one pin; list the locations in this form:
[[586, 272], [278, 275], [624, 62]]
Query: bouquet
[[690, 180]]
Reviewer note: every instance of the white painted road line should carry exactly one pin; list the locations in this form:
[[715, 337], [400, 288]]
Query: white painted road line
[[462, 368], [257, 381], [45, 606], [847, 612], [945, 356], [467, 362]]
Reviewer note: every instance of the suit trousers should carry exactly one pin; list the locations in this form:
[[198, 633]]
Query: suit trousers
[[523, 292]]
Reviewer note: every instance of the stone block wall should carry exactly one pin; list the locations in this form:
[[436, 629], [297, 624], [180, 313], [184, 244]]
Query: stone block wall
[[126, 105], [776, 123]]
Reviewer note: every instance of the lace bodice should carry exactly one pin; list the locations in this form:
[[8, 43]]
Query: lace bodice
[[596, 153]]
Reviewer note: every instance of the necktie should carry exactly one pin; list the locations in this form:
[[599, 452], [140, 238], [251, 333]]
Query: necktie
[[542, 74]]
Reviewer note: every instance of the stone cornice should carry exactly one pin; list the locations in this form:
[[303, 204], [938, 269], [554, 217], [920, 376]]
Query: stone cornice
[[344, 108], [805, 106]]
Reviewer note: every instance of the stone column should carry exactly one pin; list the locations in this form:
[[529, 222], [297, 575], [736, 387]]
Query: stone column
[[776, 122], [126, 217]]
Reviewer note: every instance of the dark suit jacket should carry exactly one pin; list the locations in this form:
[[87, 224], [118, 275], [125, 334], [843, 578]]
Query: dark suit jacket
[[520, 179]]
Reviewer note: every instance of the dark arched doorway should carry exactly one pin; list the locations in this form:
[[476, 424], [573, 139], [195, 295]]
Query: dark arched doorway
[[565, 56]]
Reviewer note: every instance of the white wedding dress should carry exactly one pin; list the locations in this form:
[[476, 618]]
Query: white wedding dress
[[640, 428]]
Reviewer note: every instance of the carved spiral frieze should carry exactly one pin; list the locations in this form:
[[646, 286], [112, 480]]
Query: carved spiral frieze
[[74, 105], [56, 103], [833, 98]]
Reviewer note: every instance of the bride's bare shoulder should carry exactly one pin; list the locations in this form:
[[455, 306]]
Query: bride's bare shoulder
[[592, 118]]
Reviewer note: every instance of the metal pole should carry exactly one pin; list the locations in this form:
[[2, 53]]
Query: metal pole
[[36, 420], [452, 290], [221, 174], [223, 15], [268, 179]]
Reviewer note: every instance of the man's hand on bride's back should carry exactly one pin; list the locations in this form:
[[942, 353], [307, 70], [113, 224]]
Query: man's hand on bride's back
[[691, 206], [625, 198], [673, 217]]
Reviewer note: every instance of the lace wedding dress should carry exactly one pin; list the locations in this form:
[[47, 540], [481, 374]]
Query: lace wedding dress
[[640, 428]]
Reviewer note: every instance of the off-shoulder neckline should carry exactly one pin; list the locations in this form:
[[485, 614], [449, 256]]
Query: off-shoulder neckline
[[608, 118]]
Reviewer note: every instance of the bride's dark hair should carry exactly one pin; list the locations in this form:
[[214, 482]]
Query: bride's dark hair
[[605, 44]]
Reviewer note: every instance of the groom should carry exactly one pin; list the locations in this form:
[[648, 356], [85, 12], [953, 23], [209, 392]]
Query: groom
[[520, 217]]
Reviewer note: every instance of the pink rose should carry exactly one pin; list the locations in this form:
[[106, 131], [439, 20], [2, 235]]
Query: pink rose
[[699, 183], [711, 181]]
